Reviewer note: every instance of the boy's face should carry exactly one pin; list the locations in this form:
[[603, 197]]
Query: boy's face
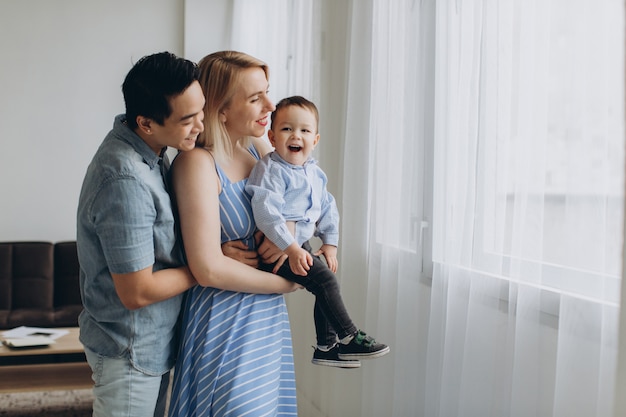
[[294, 134], [181, 129]]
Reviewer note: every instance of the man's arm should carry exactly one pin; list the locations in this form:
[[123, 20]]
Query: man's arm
[[145, 287], [124, 215]]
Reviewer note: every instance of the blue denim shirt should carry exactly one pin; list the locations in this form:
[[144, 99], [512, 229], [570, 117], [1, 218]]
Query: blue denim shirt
[[125, 223], [284, 192]]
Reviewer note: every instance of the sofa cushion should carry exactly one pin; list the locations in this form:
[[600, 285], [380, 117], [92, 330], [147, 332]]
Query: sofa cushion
[[6, 281], [31, 272], [39, 284], [67, 302]]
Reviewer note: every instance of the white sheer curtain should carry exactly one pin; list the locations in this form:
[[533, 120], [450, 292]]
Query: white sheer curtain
[[386, 222], [400, 118], [528, 204], [528, 190], [281, 33]]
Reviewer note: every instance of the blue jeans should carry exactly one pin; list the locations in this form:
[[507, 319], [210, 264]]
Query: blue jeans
[[330, 315], [120, 390]]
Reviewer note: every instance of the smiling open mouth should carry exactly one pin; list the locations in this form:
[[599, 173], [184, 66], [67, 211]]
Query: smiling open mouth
[[295, 148]]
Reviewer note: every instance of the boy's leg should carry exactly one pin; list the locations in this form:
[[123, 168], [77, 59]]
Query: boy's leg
[[120, 389], [321, 282], [355, 344], [325, 334]]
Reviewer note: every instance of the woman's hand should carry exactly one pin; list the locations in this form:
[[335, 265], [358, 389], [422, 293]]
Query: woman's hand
[[269, 252], [238, 250]]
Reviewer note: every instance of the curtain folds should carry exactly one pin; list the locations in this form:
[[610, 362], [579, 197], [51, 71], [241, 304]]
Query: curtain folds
[[389, 112], [281, 33], [527, 129], [528, 220]]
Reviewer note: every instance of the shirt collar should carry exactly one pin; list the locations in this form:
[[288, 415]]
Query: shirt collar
[[125, 133], [276, 157]]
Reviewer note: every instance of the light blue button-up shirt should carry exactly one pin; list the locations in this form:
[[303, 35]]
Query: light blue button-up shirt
[[125, 223], [284, 192]]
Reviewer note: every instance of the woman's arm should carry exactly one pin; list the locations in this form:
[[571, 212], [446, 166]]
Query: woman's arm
[[196, 186]]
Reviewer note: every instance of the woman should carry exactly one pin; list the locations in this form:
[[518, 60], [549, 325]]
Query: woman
[[236, 354]]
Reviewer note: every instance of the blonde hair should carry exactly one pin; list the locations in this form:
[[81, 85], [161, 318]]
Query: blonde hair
[[220, 73]]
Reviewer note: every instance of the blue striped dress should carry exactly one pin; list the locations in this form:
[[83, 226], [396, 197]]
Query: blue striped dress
[[236, 357]]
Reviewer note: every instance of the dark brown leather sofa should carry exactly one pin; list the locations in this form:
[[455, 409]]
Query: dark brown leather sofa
[[39, 284]]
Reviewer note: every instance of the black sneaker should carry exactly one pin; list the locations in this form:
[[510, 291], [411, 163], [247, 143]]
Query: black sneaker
[[362, 346], [330, 358]]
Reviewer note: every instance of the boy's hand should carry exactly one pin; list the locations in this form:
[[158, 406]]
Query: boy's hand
[[330, 253], [300, 261]]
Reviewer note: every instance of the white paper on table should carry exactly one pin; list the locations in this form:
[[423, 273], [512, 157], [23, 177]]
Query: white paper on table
[[26, 331], [31, 341]]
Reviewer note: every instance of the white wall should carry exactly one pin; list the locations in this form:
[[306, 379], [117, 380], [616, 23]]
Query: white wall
[[61, 69], [208, 22]]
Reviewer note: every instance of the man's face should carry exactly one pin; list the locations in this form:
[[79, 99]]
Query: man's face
[[181, 129]]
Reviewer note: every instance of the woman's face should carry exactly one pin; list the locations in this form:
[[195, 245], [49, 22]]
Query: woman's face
[[248, 112]]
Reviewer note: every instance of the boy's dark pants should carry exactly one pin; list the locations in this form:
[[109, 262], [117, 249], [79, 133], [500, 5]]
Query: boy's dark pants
[[330, 314]]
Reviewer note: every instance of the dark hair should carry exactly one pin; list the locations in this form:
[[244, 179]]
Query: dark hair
[[296, 101], [152, 82]]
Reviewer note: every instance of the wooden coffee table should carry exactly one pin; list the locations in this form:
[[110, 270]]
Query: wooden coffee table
[[60, 366]]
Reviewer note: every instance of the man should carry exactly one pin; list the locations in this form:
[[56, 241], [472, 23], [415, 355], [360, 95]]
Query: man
[[132, 274]]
